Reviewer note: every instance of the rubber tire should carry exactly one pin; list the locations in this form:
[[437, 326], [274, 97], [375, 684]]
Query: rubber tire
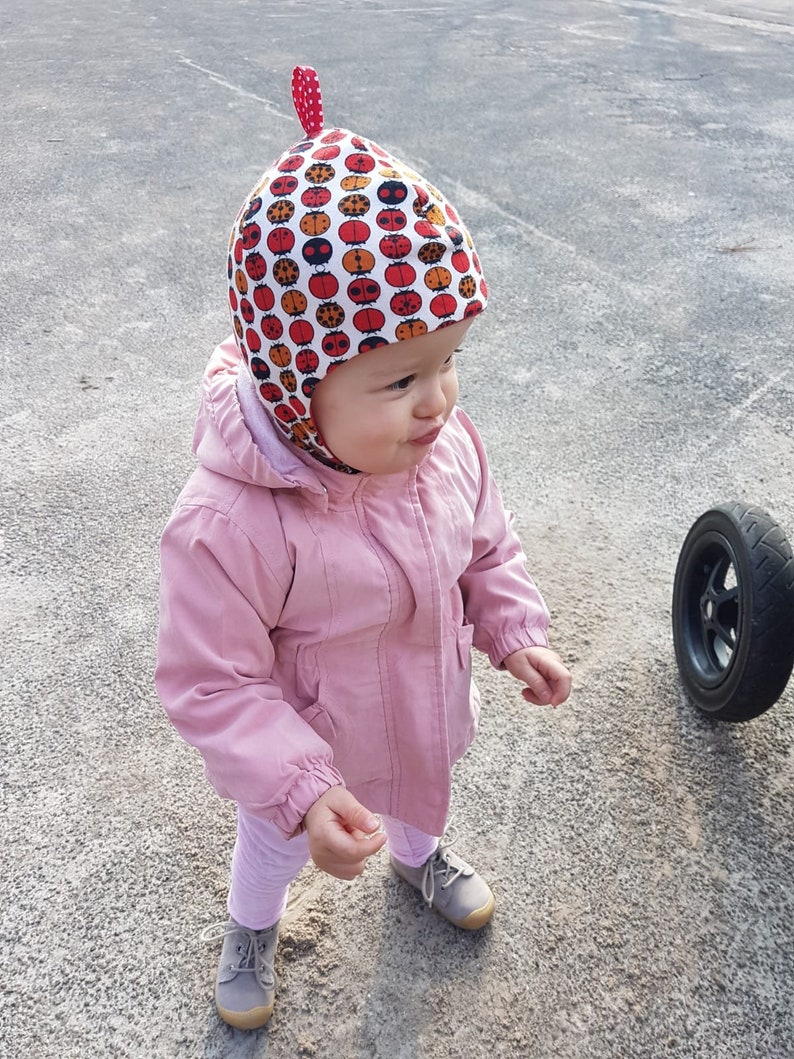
[[742, 685]]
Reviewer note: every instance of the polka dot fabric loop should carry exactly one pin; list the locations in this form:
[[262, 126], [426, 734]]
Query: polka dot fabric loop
[[307, 99], [340, 249]]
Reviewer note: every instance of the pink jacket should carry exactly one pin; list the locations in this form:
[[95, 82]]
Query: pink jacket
[[316, 627]]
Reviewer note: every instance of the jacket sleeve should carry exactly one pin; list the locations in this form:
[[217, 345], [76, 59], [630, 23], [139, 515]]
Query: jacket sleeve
[[219, 599], [500, 599]]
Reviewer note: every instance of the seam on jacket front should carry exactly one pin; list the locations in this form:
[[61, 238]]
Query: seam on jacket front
[[434, 582], [361, 513], [202, 506], [323, 678]]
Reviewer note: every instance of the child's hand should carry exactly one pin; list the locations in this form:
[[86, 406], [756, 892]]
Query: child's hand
[[342, 834], [547, 679]]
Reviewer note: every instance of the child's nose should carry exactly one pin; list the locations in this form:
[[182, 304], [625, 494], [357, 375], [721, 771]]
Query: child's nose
[[432, 400]]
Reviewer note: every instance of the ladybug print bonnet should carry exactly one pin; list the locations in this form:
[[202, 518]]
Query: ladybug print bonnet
[[339, 249]]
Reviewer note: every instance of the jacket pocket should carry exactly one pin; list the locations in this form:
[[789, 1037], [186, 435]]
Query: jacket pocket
[[465, 640], [307, 674], [320, 713], [320, 720], [463, 704]]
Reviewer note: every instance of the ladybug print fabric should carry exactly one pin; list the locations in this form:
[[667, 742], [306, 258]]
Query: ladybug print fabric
[[339, 249]]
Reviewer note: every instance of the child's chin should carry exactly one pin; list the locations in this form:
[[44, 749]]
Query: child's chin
[[406, 462]]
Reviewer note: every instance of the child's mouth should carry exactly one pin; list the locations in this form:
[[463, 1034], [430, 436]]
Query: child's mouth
[[427, 439]]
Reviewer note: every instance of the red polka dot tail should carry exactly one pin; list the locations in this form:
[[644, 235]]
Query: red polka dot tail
[[339, 249], [307, 99]]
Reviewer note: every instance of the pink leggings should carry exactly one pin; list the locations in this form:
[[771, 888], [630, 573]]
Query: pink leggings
[[265, 863]]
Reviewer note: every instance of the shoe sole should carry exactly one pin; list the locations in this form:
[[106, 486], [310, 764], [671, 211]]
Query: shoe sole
[[476, 919], [246, 1020]]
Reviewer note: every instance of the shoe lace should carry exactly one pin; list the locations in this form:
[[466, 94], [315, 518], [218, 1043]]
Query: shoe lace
[[440, 865], [246, 948]]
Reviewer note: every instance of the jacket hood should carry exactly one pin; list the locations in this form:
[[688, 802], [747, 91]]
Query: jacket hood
[[235, 437]]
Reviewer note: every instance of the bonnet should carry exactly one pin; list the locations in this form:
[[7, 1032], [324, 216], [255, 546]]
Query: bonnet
[[339, 248]]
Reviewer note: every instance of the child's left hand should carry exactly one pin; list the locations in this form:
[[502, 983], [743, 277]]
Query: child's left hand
[[541, 669]]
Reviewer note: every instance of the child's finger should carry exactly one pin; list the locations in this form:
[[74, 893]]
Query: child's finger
[[347, 858], [538, 686], [354, 844], [374, 843], [353, 815], [530, 696], [562, 690], [366, 832]]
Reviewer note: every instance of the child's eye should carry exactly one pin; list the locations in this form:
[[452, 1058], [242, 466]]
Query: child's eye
[[401, 384]]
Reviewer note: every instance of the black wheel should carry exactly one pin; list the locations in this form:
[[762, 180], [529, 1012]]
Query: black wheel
[[733, 612]]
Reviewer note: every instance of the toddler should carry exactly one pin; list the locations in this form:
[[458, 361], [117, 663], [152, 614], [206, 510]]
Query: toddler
[[341, 545]]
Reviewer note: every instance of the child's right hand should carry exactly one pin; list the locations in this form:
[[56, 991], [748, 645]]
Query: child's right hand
[[342, 834]]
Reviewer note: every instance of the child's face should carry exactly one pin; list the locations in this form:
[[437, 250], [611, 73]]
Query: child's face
[[381, 411]]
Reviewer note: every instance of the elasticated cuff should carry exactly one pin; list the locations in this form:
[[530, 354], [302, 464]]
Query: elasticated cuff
[[515, 640], [288, 816]]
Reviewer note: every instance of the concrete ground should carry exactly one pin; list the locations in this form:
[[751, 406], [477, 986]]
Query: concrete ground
[[626, 166]]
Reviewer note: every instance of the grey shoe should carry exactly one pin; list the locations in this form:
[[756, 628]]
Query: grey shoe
[[245, 987], [450, 886]]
